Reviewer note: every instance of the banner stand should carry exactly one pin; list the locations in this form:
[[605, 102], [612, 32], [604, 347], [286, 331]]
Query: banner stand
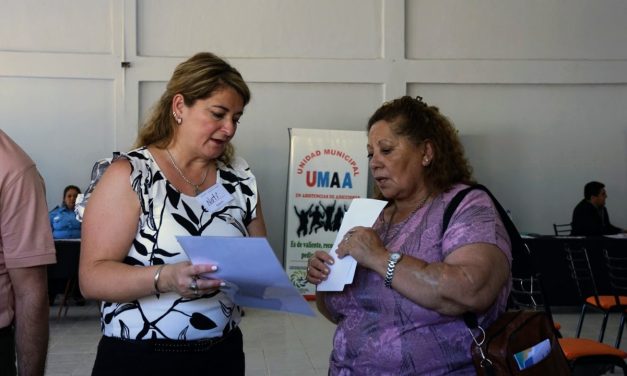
[[327, 169]]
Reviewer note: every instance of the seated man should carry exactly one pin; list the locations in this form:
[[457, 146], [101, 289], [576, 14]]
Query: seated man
[[590, 216]]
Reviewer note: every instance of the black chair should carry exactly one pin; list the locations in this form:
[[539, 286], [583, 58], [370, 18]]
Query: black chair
[[66, 270], [526, 294], [616, 263], [562, 229], [583, 276], [527, 291], [584, 355]]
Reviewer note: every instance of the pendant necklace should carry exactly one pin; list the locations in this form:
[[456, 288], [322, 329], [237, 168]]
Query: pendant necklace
[[389, 224], [196, 186]]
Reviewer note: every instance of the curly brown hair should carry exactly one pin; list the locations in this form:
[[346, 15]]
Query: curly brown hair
[[419, 122], [197, 78]]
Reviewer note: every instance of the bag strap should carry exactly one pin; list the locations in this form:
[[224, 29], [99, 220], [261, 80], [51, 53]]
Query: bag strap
[[512, 231], [522, 258], [470, 318]]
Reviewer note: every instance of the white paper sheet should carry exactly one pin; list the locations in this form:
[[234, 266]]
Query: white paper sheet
[[362, 212], [254, 276]]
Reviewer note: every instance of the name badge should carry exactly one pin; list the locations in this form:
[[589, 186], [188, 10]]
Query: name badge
[[214, 198]]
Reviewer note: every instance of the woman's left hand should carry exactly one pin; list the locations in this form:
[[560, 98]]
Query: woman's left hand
[[364, 244], [318, 267]]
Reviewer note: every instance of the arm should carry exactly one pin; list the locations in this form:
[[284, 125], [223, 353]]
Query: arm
[[610, 229], [482, 269], [109, 227], [31, 318], [317, 271], [257, 227], [322, 307], [50, 217], [102, 275], [469, 279]]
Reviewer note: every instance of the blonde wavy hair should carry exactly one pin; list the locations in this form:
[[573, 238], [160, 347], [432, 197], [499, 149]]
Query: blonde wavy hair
[[197, 78]]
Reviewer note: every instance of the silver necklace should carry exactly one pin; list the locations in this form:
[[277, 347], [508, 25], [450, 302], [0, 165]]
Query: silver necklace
[[196, 186], [387, 228]]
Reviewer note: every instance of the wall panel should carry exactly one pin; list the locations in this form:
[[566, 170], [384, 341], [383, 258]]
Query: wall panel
[[263, 29], [56, 26], [527, 30], [537, 145], [64, 125]]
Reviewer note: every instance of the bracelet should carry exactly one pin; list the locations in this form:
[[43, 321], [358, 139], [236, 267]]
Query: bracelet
[[156, 279]]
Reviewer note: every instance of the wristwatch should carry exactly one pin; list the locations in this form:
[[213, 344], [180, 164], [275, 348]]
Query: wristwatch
[[395, 257]]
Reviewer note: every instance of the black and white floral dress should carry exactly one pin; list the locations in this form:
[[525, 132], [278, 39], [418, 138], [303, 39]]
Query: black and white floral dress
[[165, 214]]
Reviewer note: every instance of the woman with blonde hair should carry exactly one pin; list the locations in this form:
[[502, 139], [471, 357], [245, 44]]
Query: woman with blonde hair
[[157, 315]]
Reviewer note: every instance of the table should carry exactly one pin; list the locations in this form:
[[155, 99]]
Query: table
[[550, 260]]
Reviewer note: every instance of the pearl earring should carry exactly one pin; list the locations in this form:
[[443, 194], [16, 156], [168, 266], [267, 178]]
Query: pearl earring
[[177, 119]]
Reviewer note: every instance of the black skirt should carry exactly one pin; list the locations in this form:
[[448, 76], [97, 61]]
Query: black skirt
[[215, 356]]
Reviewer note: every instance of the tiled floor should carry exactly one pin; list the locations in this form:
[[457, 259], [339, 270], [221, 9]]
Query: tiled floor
[[275, 344]]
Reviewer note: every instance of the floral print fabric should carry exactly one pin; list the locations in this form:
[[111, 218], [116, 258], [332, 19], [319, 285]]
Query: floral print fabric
[[380, 332], [165, 214]]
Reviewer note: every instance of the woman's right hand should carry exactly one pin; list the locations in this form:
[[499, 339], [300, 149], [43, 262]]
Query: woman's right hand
[[318, 267]]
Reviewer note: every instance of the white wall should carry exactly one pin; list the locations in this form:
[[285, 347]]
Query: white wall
[[537, 89]]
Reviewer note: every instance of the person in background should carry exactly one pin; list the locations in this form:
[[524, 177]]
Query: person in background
[[158, 316], [65, 226], [402, 315], [26, 247], [63, 219], [590, 216]]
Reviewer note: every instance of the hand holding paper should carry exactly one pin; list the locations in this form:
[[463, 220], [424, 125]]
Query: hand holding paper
[[362, 212], [250, 269]]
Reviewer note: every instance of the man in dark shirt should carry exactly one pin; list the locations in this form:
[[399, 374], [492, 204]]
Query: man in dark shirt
[[590, 216]]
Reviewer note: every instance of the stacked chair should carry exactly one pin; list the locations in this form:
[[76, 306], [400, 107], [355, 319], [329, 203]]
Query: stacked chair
[[582, 274], [616, 264], [583, 354]]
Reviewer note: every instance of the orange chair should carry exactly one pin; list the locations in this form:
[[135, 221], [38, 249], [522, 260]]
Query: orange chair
[[580, 352], [528, 293], [582, 274]]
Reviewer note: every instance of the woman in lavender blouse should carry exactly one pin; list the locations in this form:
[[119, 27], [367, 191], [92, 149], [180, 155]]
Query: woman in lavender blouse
[[414, 279]]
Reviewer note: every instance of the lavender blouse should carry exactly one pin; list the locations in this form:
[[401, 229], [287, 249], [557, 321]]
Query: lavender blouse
[[380, 332]]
